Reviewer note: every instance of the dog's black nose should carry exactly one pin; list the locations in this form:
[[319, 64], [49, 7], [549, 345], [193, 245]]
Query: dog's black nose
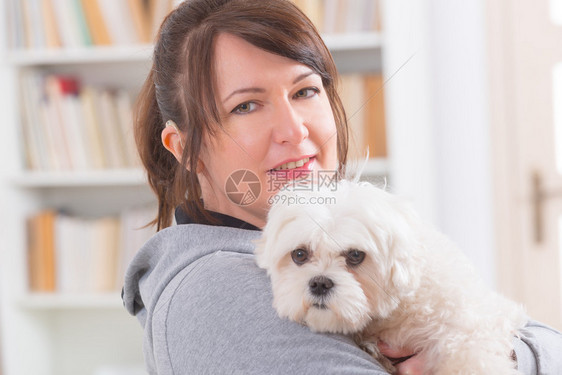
[[320, 285]]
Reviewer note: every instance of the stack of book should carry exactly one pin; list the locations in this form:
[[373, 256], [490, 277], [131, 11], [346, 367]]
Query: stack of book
[[342, 16], [69, 254], [39, 24], [362, 96], [68, 127]]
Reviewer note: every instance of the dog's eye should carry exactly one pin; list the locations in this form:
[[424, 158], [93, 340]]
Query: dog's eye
[[299, 256], [354, 257]]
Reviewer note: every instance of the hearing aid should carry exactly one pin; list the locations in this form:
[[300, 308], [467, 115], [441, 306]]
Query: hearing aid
[[175, 126]]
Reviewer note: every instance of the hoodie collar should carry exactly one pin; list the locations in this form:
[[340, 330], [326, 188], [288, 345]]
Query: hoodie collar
[[224, 220]]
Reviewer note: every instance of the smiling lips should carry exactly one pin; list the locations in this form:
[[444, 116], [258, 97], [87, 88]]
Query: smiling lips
[[292, 164], [293, 169]]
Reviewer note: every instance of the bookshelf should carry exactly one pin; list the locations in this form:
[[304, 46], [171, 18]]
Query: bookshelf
[[88, 333]]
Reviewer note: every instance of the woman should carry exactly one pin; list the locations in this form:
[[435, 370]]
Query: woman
[[240, 101]]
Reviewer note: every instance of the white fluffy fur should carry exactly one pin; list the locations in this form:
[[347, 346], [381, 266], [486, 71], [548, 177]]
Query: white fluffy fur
[[414, 289]]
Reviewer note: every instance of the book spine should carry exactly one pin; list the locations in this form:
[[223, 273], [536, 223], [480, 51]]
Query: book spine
[[82, 25], [51, 32], [375, 121], [41, 251], [96, 23]]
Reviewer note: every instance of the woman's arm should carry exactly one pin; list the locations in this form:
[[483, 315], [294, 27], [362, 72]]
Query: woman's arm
[[539, 350]]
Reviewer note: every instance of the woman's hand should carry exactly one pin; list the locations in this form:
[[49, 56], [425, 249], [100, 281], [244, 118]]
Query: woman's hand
[[405, 360]]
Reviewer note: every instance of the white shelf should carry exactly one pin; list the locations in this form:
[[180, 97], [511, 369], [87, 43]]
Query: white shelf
[[353, 41], [377, 167], [108, 177], [126, 177], [141, 53], [100, 54], [56, 301]]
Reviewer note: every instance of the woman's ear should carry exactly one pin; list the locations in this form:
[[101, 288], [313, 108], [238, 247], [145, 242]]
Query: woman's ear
[[172, 140]]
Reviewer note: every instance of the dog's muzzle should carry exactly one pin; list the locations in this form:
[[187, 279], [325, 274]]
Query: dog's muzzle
[[320, 286]]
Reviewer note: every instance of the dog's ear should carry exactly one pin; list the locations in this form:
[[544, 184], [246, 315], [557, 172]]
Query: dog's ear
[[267, 246], [404, 271], [405, 247], [396, 228]]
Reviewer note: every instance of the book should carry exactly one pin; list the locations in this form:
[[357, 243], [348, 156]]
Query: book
[[35, 145], [96, 23], [15, 22], [375, 122], [123, 106], [79, 144], [313, 10], [135, 232], [371, 16], [104, 253], [119, 21], [141, 19], [352, 93], [363, 98], [41, 251], [81, 23], [158, 10], [27, 25], [354, 15], [92, 127], [52, 37], [67, 23], [330, 16], [112, 139], [58, 121], [71, 266]]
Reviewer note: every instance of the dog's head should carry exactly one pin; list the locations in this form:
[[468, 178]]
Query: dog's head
[[338, 259]]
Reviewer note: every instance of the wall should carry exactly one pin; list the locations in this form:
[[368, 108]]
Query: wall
[[463, 183]]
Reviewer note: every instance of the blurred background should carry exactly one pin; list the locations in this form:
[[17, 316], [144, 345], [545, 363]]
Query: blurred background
[[459, 103]]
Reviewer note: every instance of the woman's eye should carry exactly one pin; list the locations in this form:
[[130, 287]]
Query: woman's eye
[[244, 108], [306, 93], [354, 257], [299, 256]]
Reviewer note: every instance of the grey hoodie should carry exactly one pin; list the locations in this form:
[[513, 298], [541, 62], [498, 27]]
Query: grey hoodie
[[206, 308]]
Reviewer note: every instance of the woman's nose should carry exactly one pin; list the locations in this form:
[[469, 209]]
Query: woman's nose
[[289, 124]]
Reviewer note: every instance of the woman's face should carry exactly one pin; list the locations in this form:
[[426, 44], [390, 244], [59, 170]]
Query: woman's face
[[277, 124]]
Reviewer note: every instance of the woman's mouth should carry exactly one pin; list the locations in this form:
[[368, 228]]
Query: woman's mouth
[[295, 169], [292, 164]]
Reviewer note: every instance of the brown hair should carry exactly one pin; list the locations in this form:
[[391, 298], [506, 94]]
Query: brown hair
[[180, 86]]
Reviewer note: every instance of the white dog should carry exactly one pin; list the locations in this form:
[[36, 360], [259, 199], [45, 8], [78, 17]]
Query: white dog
[[365, 264]]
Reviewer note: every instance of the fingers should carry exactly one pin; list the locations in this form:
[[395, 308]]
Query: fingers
[[405, 360], [412, 366], [390, 352]]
